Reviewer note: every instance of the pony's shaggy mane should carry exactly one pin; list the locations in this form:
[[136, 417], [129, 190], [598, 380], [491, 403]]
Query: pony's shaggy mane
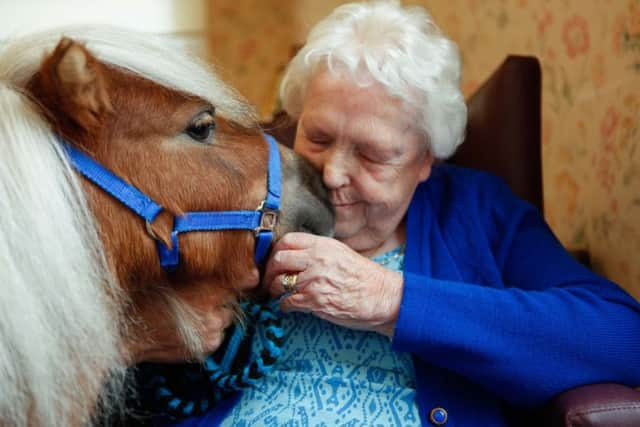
[[60, 333], [61, 319]]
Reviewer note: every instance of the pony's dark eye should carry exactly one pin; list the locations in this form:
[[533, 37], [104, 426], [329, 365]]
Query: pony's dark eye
[[202, 127], [201, 133]]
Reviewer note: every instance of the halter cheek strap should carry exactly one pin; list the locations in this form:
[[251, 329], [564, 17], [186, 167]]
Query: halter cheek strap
[[261, 221]]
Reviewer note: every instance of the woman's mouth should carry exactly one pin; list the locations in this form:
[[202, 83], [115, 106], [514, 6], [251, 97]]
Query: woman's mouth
[[343, 206]]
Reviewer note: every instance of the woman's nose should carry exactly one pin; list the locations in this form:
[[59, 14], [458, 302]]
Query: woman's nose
[[335, 171]]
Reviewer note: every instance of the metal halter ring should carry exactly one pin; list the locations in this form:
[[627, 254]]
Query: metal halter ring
[[150, 231], [289, 283]]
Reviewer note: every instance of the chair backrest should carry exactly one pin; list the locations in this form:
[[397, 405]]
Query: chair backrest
[[503, 130]]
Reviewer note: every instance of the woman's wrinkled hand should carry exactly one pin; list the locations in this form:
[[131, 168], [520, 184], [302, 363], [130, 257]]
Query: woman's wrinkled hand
[[335, 283]]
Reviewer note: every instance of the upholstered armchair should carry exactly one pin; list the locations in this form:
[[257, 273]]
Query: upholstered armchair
[[503, 137]]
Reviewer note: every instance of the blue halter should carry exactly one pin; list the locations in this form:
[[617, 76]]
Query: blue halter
[[262, 221]]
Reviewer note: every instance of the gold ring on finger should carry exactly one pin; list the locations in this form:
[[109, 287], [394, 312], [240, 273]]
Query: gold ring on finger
[[289, 283]]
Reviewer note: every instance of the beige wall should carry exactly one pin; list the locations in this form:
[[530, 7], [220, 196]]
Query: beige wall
[[183, 22], [590, 55]]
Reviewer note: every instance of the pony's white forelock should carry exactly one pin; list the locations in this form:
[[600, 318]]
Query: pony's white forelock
[[147, 55], [61, 320], [400, 48]]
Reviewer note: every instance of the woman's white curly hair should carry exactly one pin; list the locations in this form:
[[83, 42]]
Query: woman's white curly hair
[[400, 48]]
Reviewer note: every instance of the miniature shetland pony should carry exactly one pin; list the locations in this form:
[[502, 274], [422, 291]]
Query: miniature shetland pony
[[80, 276]]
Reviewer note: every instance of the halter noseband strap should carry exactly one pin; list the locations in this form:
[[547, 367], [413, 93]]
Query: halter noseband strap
[[262, 221]]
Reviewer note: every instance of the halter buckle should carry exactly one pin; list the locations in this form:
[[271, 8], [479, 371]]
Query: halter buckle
[[268, 219]]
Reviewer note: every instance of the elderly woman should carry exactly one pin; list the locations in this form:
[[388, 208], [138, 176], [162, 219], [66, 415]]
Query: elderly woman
[[443, 298]]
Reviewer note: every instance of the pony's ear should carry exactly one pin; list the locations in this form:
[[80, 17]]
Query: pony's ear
[[77, 82]]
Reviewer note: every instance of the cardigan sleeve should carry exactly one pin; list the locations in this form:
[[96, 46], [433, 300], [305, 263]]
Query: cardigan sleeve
[[553, 325]]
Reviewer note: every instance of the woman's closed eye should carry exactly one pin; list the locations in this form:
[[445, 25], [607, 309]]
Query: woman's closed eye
[[317, 136], [375, 156], [371, 158], [320, 140]]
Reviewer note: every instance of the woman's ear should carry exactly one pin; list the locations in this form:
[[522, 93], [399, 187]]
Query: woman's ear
[[72, 82], [427, 163]]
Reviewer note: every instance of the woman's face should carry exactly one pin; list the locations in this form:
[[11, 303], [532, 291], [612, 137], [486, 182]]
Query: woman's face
[[371, 156]]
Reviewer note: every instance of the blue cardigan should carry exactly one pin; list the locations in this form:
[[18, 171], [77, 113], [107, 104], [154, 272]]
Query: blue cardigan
[[496, 313], [498, 317]]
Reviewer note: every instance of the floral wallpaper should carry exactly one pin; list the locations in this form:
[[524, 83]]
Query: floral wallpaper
[[590, 56], [251, 42]]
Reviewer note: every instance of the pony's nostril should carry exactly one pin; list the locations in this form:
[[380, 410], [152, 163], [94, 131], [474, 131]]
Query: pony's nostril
[[307, 229]]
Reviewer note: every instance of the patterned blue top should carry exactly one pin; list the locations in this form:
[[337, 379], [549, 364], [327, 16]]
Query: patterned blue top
[[333, 376]]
